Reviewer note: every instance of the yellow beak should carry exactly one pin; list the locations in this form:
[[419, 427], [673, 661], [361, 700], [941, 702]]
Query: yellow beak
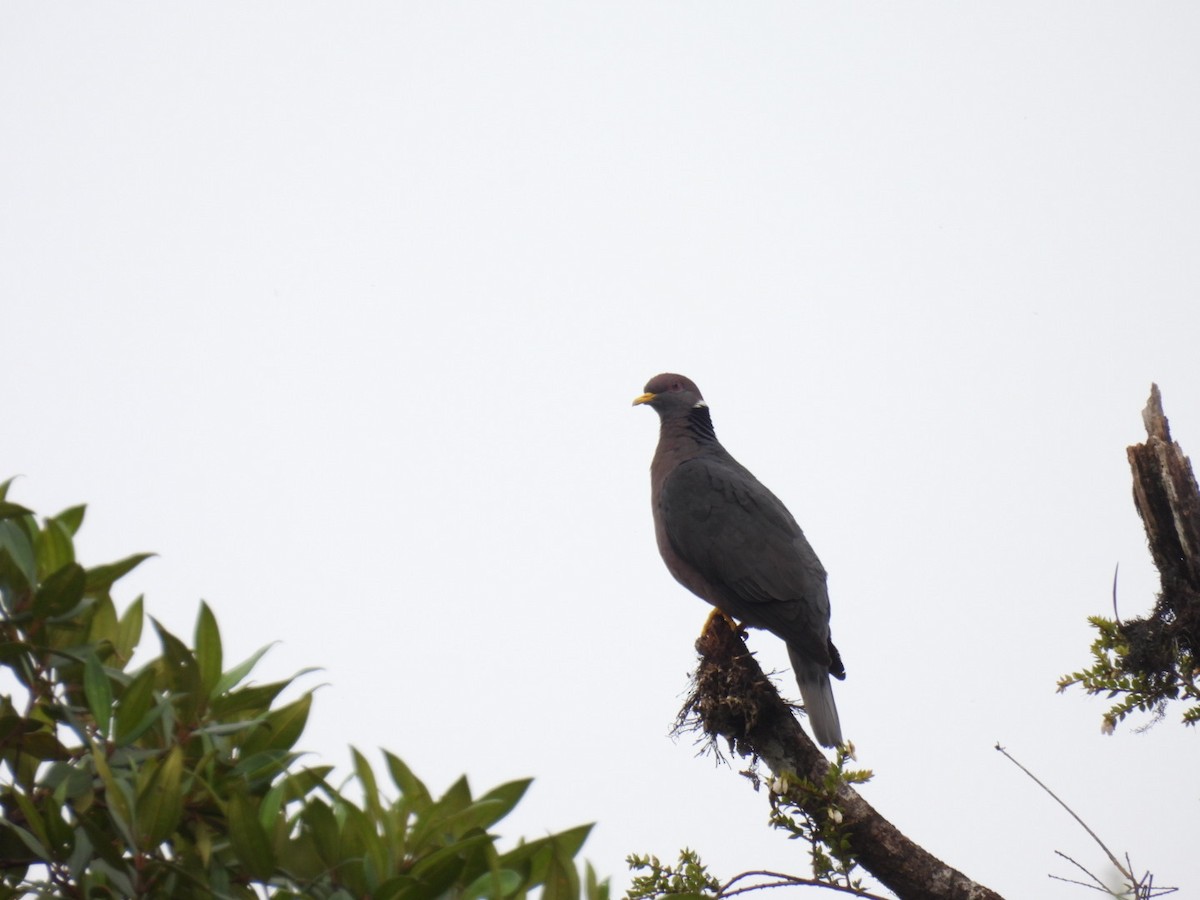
[[645, 398]]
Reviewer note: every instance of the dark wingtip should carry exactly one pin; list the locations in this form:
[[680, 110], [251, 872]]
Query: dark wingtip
[[836, 669]]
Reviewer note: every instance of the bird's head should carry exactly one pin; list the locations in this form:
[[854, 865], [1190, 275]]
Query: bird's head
[[671, 395]]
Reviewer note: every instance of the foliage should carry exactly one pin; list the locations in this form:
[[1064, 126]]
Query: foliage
[[180, 778], [688, 880], [832, 856], [833, 862], [1119, 670]]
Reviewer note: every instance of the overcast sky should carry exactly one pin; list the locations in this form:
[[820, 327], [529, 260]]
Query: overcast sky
[[340, 308]]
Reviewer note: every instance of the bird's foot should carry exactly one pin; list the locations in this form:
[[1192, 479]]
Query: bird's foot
[[717, 614]]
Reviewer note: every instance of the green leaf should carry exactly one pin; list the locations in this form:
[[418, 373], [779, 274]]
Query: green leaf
[[71, 518], [98, 690], [594, 888], [262, 768], [12, 725], [14, 543], [509, 795], [220, 729], [208, 650], [81, 855], [121, 874], [410, 785], [182, 673], [360, 840], [302, 783], [29, 840], [118, 796], [101, 578], [129, 632], [297, 854], [136, 708], [561, 881], [254, 699], [476, 816], [395, 888], [370, 787], [58, 830], [160, 802], [270, 807], [69, 783], [235, 675], [438, 870], [60, 592], [33, 819], [54, 547], [571, 841], [12, 654], [318, 821], [437, 820], [106, 843], [42, 745], [501, 883], [4, 486], [102, 626], [248, 838], [12, 510], [281, 729], [519, 858]]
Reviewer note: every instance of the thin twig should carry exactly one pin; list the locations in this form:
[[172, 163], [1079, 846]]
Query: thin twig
[[1116, 572], [1120, 868], [1098, 886], [783, 880]]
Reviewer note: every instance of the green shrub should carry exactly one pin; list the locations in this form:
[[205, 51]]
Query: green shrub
[[180, 778]]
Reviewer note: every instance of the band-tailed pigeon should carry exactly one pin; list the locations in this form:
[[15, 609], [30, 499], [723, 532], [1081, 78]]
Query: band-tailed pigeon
[[730, 541]]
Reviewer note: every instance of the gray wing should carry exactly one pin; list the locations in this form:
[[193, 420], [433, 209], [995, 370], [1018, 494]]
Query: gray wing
[[735, 533]]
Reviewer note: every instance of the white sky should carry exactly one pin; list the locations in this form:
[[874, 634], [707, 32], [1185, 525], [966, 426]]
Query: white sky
[[341, 307]]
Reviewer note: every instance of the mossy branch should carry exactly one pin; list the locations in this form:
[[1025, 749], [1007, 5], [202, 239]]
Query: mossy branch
[[734, 702], [1148, 662]]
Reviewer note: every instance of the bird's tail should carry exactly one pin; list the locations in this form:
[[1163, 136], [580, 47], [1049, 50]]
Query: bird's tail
[[817, 694]]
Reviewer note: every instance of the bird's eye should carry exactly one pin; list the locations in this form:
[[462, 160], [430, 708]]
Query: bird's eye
[[676, 386]]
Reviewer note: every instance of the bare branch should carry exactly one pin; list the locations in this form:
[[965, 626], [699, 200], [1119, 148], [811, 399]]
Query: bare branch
[[1168, 501], [782, 880], [1098, 886], [1116, 862], [1142, 888]]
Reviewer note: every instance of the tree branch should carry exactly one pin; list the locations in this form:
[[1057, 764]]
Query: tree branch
[[1151, 660], [1112, 858], [734, 700], [1168, 500], [782, 880], [1161, 649]]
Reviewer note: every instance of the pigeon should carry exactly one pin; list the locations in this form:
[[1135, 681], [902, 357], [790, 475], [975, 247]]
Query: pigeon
[[733, 543]]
